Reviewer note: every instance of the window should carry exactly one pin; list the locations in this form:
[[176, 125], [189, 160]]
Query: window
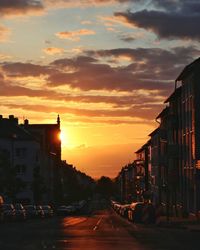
[[20, 169], [21, 152]]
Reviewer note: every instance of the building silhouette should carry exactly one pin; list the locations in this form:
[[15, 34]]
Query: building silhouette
[[32, 153], [172, 160]]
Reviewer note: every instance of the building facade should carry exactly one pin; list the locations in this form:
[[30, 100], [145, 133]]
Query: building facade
[[31, 158], [171, 159], [20, 155]]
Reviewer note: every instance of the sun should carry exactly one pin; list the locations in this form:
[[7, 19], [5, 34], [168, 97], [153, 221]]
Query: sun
[[62, 137]]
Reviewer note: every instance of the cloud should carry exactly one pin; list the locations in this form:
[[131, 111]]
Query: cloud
[[149, 68], [96, 88], [4, 33], [82, 3], [4, 57], [74, 35], [145, 112], [20, 7], [175, 19], [8, 89], [127, 38], [18, 69], [178, 5], [53, 50]]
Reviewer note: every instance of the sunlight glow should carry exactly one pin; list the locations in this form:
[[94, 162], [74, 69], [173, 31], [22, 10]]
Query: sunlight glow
[[62, 137]]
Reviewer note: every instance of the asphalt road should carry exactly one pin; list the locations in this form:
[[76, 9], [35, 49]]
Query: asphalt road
[[101, 229]]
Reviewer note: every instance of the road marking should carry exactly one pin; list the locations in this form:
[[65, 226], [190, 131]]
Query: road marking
[[98, 222], [73, 221]]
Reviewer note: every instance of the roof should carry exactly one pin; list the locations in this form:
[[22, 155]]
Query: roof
[[175, 94], [163, 112], [10, 130], [143, 147], [194, 66], [154, 132]]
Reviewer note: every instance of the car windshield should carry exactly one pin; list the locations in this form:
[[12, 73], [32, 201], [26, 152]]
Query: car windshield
[[7, 206], [30, 208], [18, 206], [46, 207]]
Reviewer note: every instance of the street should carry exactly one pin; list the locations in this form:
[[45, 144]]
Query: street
[[100, 229]]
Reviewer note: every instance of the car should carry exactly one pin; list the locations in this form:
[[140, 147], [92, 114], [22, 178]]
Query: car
[[124, 210], [117, 207], [48, 211], [135, 212], [141, 212], [20, 212], [31, 211], [40, 211], [8, 211], [1, 210], [65, 210]]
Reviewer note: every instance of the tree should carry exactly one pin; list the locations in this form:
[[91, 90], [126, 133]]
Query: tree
[[105, 186]]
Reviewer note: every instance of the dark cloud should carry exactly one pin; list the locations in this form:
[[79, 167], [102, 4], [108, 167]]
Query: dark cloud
[[184, 6], [147, 69], [165, 24], [10, 90], [152, 70], [24, 69], [141, 111], [20, 7], [127, 38]]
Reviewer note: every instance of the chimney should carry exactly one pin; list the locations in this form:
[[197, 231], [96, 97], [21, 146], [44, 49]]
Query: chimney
[[13, 119], [26, 122]]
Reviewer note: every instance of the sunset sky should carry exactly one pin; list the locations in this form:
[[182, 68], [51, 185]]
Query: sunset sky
[[105, 66]]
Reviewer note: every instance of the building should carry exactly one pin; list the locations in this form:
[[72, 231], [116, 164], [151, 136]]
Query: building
[[175, 146], [143, 164], [19, 157], [188, 135], [49, 175], [30, 161]]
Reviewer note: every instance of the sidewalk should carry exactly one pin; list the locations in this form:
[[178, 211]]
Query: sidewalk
[[192, 222]]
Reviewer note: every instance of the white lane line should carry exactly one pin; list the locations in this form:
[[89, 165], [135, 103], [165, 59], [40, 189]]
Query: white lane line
[[98, 222]]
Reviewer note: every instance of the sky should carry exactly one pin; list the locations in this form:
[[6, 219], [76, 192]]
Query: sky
[[105, 66]]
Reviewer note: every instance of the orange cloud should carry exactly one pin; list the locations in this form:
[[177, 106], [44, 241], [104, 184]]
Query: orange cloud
[[74, 35], [80, 3], [4, 33], [110, 21], [53, 50]]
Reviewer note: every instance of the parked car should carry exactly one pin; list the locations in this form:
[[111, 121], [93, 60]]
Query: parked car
[[31, 211], [140, 212], [135, 212], [40, 211], [65, 210], [124, 210], [8, 211], [20, 211], [1, 210], [48, 211], [117, 207]]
